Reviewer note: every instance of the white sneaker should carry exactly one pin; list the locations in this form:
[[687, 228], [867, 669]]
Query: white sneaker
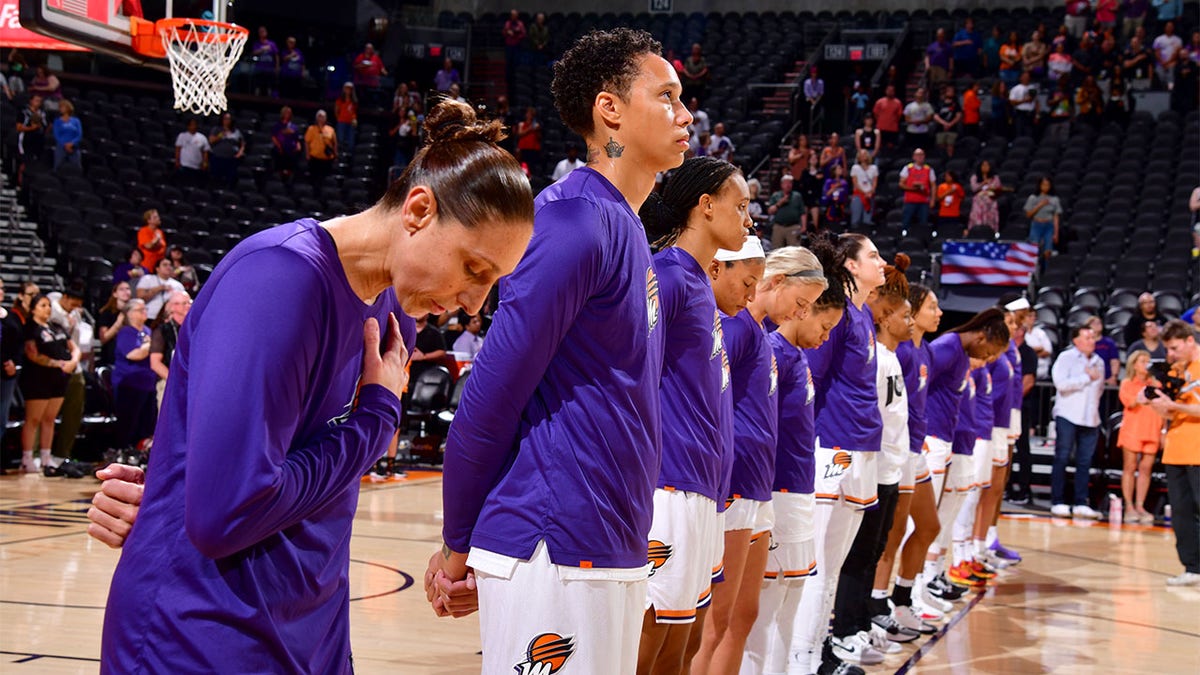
[[879, 640], [1084, 511], [856, 649], [32, 466], [929, 603], [1185, 579], [1060, 511], [994, 561], [907, 617]]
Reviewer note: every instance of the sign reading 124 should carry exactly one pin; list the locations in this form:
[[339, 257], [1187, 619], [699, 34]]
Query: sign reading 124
[[660, 5]]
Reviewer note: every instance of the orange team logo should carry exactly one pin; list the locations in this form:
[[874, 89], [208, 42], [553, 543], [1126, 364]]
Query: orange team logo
[[838, 464], [652, 298], [923, 378], [774, 376], [546, 654], [658, 555]]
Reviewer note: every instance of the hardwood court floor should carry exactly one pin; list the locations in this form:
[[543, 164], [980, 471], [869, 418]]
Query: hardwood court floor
[[1087, 599]]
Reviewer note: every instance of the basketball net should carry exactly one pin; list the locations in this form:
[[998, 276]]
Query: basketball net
[[201, 55]]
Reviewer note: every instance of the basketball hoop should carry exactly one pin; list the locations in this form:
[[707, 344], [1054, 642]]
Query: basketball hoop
[[201, 54]]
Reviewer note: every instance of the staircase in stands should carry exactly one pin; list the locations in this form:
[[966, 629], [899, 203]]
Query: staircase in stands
[[21, 251]]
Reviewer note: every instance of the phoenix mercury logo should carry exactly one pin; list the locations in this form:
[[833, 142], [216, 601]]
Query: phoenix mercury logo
[[658, 555], [652, 298], [774, 376], [810, 390], [718, 337], [838, 464], [546, 654], [922, 377]]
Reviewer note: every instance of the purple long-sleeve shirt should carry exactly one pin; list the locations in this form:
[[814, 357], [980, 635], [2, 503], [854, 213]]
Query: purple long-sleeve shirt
[[726, 426], [1001, 372], [948, 367], [694, 375], [965, 431], [755, 407], [240, 558], [794, 460], [914, 363], [1016, 394], [843, 369], [558, 435], [985, 395]]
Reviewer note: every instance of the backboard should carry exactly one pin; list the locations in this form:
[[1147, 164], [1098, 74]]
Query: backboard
[[104, 25]]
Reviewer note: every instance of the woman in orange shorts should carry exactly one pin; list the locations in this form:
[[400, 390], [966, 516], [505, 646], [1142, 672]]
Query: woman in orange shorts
[[1139, 437]]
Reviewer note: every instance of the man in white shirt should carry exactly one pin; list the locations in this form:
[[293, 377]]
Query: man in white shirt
[[1023, 98], [155, 289], [191, 155], [700, 123], [719, 145], [569, 164], [1167, 48], [1078, 382], [918, 115]]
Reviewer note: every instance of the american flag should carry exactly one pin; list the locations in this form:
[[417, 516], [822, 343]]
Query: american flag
[[992, 263]]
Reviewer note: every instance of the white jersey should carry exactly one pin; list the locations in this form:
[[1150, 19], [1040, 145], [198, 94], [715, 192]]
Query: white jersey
[[893, 408]]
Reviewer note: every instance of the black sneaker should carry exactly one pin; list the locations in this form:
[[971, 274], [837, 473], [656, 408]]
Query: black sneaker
[[941, 587], [832, 665], [895, 632]]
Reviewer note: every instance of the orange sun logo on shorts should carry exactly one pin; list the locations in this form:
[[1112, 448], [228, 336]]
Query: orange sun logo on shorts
[[842, 459], [546, 654], [658, 555], [838, 464]]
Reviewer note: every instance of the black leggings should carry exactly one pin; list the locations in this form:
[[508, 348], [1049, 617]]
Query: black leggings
[[137, 413], [851, 608]]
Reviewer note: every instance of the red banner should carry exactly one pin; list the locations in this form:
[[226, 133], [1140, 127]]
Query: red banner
[[12, 35]]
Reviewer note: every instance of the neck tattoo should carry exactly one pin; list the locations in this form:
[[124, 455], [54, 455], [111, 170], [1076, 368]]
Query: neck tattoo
[[612, 148]]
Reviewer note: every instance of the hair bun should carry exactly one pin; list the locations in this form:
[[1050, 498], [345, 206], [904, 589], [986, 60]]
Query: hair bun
[[902, 261], [452, 122]]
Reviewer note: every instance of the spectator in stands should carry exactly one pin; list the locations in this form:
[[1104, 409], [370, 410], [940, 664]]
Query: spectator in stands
[[529, 140], [227, 147], [191, 155], [12, 348], [719, 145], [754, 208], [1059, 64], [1147, 311], [865, 179], [1138, 439], [800, 155], [568, 164], [1033, 56], [1167, 51], [163, 339], [131, 269], [1089, 102], [368, 69], [810, 184], [1076, 19], [133, 381], [404, 133], [968, 50], [429, 350], [470, 342], [918, 116], [31, 136], [1044, 211], [814, 91], [152, 242], [1183, 93], [888, 111], [321, 145], [1000, 120], [1060, 109], [1192, 50], [787, 208], [695, 74], [971, 107], [1078, 383], [1167, 10], [985, 188], [1010, 59], [286, 142], [18, 72], [1107, 59], [1023, 98], [867, 138], [858, 104], [1133, 15], [1084, 61], [1181, 454], [949, 197], [1150, 342], [405, 99], [1138, 62], [111, 319], [66, 310], [539, 38], [291, 70], [1106, 349], [991, 52], [68, 132], [947, 117], [346, 113], [917, 180], [156, 288], [833, 155], [514, 34], [445, 77], [264, 54], [939, 60], [700, 120], [1106, 15], [184, 272], [835, 196], [46, 85], [50, 358]]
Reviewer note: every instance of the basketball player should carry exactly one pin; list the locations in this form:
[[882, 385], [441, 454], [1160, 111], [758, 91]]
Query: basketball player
[[240, 558], [703, 208], [791, 282], [552, 460], [792, 556], [1018, 306], [964, 477]]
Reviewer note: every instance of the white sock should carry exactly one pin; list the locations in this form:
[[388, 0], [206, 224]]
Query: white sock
[[933, 567], [879, 593], [906, 583], [47, 458], [981, 548], [992, 536], [27, 457]]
